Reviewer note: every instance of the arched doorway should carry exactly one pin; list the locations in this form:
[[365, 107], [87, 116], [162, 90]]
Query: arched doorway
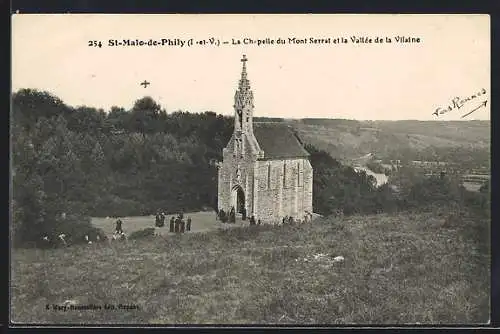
[[238, 199]]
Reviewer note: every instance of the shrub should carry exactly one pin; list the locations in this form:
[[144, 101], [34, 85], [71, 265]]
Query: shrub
[[144, 233], [74, 227]]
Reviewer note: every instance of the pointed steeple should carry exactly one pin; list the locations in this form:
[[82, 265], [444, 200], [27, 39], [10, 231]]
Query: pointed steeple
[[243, 102], [243, 115]]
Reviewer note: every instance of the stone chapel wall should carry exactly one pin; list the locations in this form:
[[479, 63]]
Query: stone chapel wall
[[228, 176], [308, 186], [285, 192]]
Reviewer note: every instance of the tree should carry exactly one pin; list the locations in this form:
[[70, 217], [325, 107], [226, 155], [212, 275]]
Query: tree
[[97, 156], [144, 116], [337, 186], [86, 119], [29, 105], [117, 119], [30, 219]]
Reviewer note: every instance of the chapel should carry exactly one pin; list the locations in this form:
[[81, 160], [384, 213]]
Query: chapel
[[265, 168]]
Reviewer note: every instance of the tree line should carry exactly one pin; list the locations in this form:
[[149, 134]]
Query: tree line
[[85, 161]]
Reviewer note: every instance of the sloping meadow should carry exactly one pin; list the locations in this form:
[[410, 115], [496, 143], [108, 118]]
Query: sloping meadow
[[392, 269]]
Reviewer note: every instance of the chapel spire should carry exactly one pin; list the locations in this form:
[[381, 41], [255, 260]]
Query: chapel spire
[[244, 138], [243, 101]]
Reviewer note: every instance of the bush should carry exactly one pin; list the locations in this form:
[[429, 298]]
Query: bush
[[75, 228], [144, 233], [435, 191]]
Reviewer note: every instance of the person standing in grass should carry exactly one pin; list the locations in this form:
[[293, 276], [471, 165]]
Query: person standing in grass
[[232, 215], [183, 225], [222, 216], [162, 219], [188, 225], [177, 224], [119, 229], [157, 219], [172, 224]]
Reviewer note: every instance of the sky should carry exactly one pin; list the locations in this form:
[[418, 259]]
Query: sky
[[363, 81]]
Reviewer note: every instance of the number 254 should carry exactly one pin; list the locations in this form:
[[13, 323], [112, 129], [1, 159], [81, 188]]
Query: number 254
[[95, 43]]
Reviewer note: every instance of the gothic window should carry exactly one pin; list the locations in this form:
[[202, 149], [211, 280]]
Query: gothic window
[[269, 176], [240, 116], [248, 119], [238, 174]]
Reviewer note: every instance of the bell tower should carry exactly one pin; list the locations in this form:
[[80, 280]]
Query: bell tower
[[243, 102], [243, 112]]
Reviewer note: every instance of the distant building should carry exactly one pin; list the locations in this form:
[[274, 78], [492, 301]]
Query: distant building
[[265, 169], [419, 163]]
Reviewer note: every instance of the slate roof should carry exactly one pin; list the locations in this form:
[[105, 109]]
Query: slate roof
[[278, 141]]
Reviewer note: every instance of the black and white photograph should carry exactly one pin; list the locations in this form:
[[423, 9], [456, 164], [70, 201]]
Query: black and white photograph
[[241, 170]]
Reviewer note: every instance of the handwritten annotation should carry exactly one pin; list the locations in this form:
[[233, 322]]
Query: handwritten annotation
[[458, 103]]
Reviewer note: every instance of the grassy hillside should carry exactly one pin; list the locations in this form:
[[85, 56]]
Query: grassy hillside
[[403, 268], [348, 139]]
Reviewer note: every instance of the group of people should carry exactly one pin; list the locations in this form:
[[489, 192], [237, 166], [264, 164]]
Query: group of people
[[291, 220], [180, 225], [160, 219], [224, 217], [177, 224], [231, 217]]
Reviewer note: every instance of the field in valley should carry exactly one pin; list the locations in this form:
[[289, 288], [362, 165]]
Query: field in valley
[[347, 139], [401, 268]]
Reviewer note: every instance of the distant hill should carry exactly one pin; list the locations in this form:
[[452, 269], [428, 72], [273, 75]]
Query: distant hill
[[347, 139]]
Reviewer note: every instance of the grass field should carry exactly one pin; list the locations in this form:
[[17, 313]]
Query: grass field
[[402, 268]]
